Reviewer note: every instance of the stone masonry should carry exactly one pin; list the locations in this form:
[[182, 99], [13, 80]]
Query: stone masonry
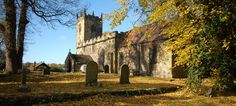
[[144, 57]]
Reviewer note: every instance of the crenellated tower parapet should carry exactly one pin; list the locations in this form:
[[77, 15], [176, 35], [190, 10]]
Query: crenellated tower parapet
[[104, 37], [87, 27]]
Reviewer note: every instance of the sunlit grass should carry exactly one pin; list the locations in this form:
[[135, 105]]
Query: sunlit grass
[[179, 98], [75, 83]]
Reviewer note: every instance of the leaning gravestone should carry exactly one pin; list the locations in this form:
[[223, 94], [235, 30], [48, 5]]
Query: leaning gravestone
[[91, 74], [124, 77]]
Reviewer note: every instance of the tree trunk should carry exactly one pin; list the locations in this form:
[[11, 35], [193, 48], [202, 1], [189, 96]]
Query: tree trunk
[[10, 36], [21, 33]]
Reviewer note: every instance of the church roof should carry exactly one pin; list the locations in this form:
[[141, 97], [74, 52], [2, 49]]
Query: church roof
[[79, 58], [42, 65], [144, 34]]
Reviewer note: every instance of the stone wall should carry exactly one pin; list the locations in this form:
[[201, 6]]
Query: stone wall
[[136, 56], [144, 58], [139, 58], [101, 49], [87, 27], [129, 55], [163, 66], [93, 27], [107, 50]]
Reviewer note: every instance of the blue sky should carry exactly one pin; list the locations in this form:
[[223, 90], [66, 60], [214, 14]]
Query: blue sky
[[52, 45]]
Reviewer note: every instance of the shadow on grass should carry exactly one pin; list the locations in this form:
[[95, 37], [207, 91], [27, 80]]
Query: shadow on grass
[[77, 87], [50, 97], [62, 91]]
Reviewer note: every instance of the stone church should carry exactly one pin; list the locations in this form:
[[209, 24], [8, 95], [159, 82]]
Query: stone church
[[144, 55]]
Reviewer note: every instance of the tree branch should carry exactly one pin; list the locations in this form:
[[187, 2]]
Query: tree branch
[[2, 28]]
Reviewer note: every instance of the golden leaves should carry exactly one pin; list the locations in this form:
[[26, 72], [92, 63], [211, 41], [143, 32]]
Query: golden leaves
[[118, 15], [120, 1], [225, 44]]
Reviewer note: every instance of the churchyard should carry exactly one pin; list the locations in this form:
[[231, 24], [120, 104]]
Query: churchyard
[[62, 88]]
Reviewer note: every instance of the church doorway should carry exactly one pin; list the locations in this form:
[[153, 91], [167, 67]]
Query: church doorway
[[106, 68], [69, 65]]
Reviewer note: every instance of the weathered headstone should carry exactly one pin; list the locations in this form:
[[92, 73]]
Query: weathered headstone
[[91, 74], [23, 87], [124, 76]]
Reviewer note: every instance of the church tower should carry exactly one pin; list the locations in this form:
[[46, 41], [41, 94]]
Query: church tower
[[87, 27]]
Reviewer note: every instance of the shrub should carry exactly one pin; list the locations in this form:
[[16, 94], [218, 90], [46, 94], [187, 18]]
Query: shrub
[[57, 69]]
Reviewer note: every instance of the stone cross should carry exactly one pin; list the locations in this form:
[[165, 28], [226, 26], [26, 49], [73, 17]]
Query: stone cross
[[91, 74], [23, 87], [124, 77]]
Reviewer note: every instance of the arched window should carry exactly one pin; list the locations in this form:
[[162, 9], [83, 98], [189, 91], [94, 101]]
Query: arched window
[[153, 54], [79, 28]]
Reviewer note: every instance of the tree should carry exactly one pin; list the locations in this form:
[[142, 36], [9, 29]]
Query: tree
[[1, 36], [2, 59], [2, 52], [17, 16], [200, 32]]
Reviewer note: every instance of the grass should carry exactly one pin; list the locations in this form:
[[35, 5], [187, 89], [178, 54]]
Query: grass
[[73, 83], [179, 98]]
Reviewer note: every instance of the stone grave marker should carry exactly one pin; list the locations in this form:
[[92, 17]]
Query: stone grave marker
[[91, 74], [23, 87], [124, 76]]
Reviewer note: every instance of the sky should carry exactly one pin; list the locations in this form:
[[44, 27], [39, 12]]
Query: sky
[[51, 45]]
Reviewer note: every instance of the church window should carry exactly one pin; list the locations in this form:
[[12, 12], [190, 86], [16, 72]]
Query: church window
[[79, 28], [153, 54]]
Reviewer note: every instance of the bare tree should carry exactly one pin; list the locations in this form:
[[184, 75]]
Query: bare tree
[[1, 35], [16, 17], [2, 52]]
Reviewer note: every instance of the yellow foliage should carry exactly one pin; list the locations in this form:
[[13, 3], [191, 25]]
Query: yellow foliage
[[226, 44], [120, 1]]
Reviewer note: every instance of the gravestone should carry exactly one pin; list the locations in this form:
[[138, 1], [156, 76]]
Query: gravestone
[[124, 77], [23, 87], [91, 74]]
